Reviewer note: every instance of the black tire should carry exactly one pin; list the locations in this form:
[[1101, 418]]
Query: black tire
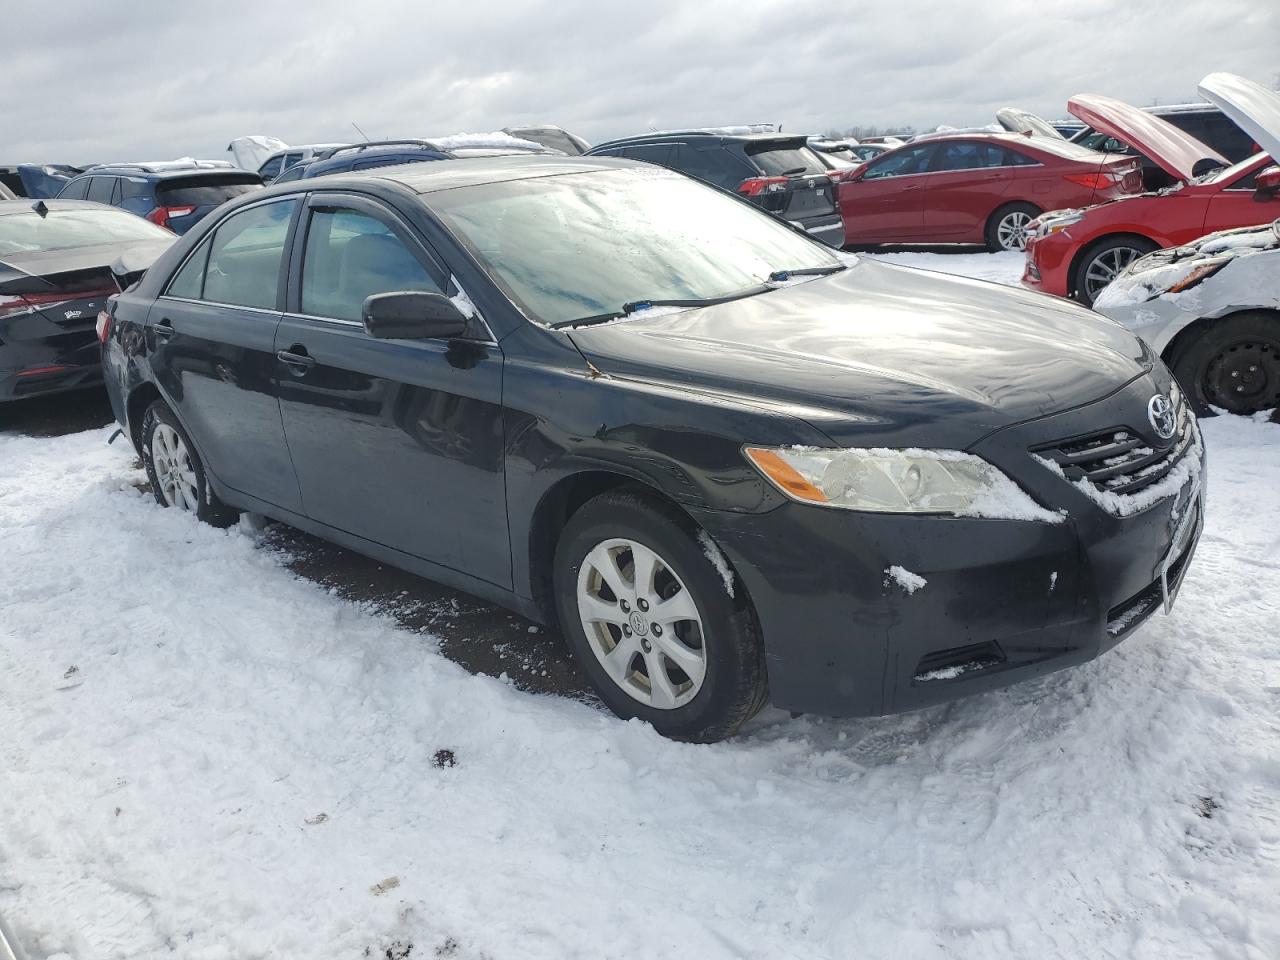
[[995, 244], [207, 506], [735, 685], [1117, 251], [1232, 363]]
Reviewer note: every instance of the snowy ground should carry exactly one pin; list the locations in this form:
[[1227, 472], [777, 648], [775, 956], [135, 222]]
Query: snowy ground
[[205, 756]]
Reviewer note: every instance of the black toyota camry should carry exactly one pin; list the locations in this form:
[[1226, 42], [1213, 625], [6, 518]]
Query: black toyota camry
[[56, 259], [731, 465]]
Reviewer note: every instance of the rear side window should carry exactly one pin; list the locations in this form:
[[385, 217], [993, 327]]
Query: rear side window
[[188, 283], [132, 188], [787, 161], [245, 254], [202, 192], [75, 190], [351, 256], [100, 189], [715, 165], [663, 154]]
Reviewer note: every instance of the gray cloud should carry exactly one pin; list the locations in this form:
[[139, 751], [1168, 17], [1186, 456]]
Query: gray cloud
[[134, 80]]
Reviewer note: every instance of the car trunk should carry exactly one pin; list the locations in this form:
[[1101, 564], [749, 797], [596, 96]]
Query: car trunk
[[806, 192], [196, 196]]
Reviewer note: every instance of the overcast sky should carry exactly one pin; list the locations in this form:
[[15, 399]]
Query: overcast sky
[[86, 80]]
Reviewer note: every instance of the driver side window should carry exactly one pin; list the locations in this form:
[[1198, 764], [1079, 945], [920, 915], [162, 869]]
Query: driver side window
[[900, 163], [350, 256]]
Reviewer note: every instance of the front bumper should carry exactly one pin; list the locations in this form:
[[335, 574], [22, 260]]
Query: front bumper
[[1004, 601], [1048, 264]]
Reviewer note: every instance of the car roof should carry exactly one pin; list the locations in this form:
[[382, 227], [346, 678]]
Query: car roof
[[424, 178], [663, 136], [146, 171], [27, 205]]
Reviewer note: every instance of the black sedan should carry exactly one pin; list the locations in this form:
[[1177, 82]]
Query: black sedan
[[56, 259], [731, 464]]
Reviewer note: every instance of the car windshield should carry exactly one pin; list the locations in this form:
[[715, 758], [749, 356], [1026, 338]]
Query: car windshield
[[586, 244], [63, 229]]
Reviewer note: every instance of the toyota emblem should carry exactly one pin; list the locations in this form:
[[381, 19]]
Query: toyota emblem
[[1164, 419]]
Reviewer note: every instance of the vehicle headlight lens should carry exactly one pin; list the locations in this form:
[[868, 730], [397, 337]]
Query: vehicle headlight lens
[[896, 481], [1206, 268], [1049, 224]]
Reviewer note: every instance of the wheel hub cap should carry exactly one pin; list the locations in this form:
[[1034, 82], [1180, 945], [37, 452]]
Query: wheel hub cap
[[642, 623], [1245, 377], [1012, 231], [174, 470], [1106, 266]]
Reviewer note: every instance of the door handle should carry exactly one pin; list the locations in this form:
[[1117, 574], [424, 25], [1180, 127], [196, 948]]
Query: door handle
[[164, 329], [296, 359]]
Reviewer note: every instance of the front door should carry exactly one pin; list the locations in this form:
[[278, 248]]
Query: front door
[[1234, 205], [887, 204], [211, 337], [396, 441]]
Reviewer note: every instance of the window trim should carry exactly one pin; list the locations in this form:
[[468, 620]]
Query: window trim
[[207, 237], [386, 214]]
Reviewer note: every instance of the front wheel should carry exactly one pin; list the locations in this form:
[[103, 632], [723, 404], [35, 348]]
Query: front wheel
[[1104, 263], [657, 619], [177, 476], [1233, 364]]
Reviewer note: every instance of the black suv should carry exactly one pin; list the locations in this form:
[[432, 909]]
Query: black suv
[[176, 194], [775, 171]]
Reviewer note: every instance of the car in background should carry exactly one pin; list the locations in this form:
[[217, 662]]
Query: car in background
[[56, 273], [1204, 121], [174, 194], [387, 153], [733, 466], [552, 137], [282, 160], [777, 172], [975, 188], [1211, 309], [6, 193], [37, 180], [1077, 252]]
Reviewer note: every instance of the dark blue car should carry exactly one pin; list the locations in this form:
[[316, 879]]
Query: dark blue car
[[176, 195]]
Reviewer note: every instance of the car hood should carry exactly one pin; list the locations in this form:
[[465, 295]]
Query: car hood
[[1016, 120], [881, 354], [1175, 151], [1252, 106]]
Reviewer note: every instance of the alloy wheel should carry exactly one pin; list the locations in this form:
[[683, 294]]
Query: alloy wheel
[[1244, 377], [174, 469], [642, 623], [1011, 231], [1105, 267]]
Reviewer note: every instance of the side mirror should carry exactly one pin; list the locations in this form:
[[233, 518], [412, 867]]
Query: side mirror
[[412, 315], [1267, 185]]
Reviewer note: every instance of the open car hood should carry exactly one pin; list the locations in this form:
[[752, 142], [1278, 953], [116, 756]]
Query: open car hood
[[250, 153], [1017, 120], [1252, 106], [1176, 152]]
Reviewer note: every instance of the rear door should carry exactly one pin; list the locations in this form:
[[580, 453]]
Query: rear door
[[395, 441], [970, 179], [886, 204], [211, 339]]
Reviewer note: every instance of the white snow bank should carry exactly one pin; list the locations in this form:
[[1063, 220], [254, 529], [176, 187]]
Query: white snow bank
[[908, 581], [170, 805]]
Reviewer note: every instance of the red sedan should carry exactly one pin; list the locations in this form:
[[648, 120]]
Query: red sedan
[[1076, 253], [976, 188]]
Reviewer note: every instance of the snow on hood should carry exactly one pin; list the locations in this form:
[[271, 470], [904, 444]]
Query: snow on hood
[[1017, 120], [1255, 108], [251, 152], [1174, 150]]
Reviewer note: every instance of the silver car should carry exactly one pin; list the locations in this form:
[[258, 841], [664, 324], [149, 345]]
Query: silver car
[[1211, 308]]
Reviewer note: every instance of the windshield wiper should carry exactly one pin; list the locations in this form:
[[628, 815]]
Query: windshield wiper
[[793, 171], [779, 276], [634, 306]]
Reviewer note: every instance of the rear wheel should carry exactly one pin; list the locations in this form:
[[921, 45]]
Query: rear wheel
[[177, 476], [1007, 227], [1104, 263], [650, 618], [1233, 364]]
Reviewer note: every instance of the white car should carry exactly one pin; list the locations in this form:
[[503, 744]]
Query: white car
[[1211, 307], [1216, 302]]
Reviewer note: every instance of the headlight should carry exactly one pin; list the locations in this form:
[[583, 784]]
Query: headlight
[[1202, 270], [896, 481], [1049, 224]]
